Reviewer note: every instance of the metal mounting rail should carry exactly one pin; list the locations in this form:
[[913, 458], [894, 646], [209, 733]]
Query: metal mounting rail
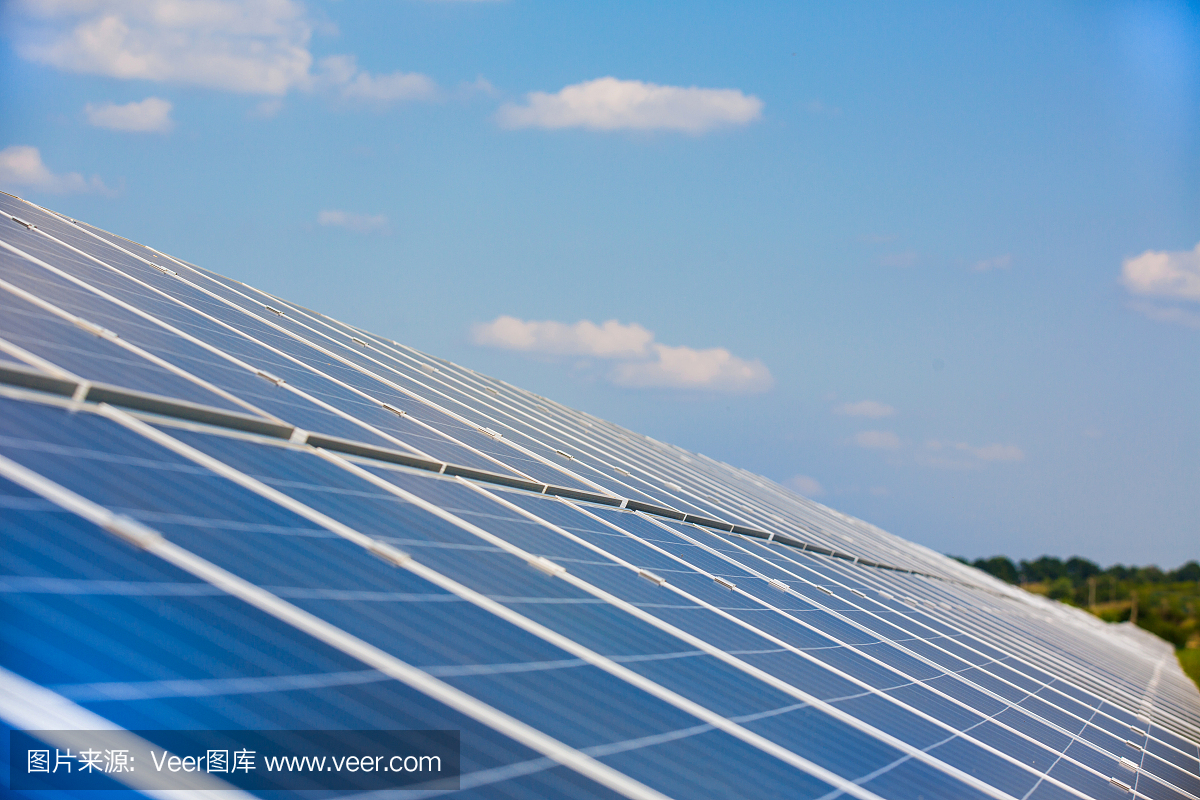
[[89, 392]]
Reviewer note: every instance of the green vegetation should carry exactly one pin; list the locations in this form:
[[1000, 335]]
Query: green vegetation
[[1165, 603]]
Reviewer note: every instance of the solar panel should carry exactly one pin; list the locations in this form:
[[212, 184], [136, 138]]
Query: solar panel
[[226, 512]]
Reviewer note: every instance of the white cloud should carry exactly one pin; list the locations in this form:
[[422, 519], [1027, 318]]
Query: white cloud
[[21, 165], [610, 339], [865, 408], [988, 452], [256, 47], [803, 484], [989, 264], [1177, 316], [341, 73], [820, 109], [905, 259], [642, 362], [608, 104], [359, 223], [877, 440], [686, 368], [152, 115], [1164, 273], [250, 46], [267, 109], [998, 452]]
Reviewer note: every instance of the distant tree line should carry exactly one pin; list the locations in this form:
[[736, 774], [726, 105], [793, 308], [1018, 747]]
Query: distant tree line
[[1166, 603], [1048, 569]]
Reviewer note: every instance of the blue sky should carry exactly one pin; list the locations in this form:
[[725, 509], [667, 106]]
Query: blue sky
[[933, 265]]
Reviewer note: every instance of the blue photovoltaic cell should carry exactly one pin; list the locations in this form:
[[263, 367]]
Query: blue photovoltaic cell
[[152, 647], [91, 357], [1035, 701], [595, 700]]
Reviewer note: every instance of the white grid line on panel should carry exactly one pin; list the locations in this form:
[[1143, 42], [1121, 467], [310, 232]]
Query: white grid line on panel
[[63, 314], [259, 372], [436, 431], [25, 705], [34, 360], [749, 669], [914, 620], [212, 348], [152, 542], [1021, 641], [404, 560], [1014, 706], [378, 347], [1088, 744], [347, 362], [875, 691]]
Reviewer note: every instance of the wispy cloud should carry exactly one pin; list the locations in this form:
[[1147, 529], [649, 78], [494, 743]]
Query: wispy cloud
[[21, 166], [251, 46], [687, 368], [865, 408], [803, 484], [989, 264], [641, 361], [1168, 278], [359, 223], [152, 115], [877, 440], [905, 259], [609, 104], [961, 455], [342, 75], [1163, 273], [609, 339], [1166, 313], [819, 108], [257, 47]]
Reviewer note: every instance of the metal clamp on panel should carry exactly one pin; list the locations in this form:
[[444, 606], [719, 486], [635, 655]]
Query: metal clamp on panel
[[20, 221], [824, 589], [543, 564], [491, 433], [857, 593], [774, 583], [275, 379], [274, 311], [397, 411], [886, 595], [392, 555], [1129, 763], [620, 471], [490, 390], [132, 531], [161, 268], [1133, 744], [565, 455], [730, 585], [428, 370], [657, 580], [93, 328], [1120, 784], [359, 341], [1137, 730]]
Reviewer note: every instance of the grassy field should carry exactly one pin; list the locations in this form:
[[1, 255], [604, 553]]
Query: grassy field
[[1165, 603]]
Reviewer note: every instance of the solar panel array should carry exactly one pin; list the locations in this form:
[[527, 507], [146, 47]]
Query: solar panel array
[[225, 511]]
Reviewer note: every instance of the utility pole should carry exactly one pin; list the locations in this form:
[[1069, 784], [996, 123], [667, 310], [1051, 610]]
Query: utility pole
[[1092, 593], [1133, 608]]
